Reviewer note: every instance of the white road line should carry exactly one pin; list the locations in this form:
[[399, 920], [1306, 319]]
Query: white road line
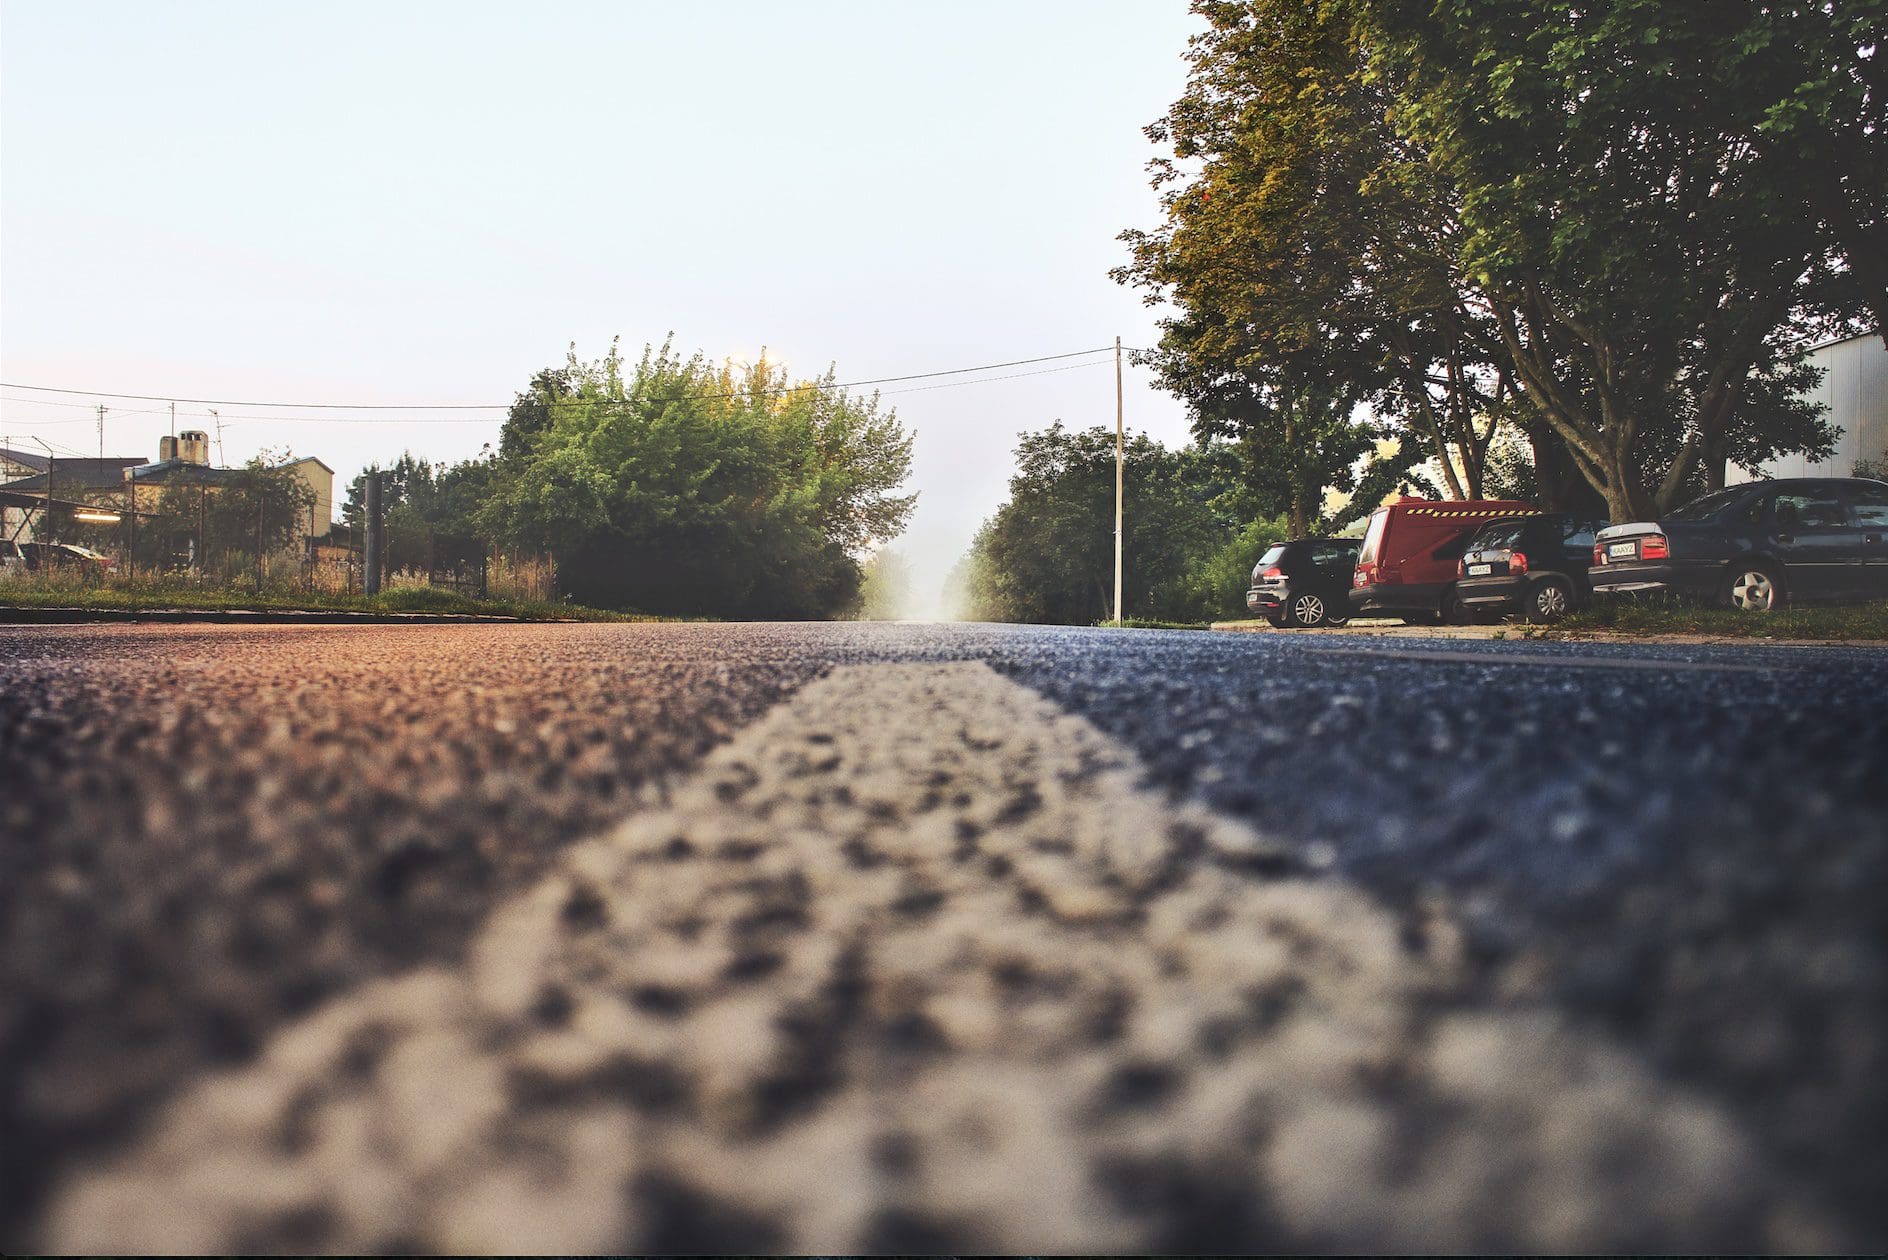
[[918, 956]]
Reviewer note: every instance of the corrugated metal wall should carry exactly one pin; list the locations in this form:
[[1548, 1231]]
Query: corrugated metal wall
[[1855, 389]]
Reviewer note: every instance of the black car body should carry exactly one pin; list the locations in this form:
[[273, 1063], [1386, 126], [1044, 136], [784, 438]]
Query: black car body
[[62, 558], [1757, 546], [1534, 566], [1305, 582]]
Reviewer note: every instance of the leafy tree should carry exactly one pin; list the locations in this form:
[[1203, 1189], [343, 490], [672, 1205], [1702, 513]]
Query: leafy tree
[[1634, 223], [885, 588], [683, 486], [1611, 226], [1047, 555], [1308, 251]]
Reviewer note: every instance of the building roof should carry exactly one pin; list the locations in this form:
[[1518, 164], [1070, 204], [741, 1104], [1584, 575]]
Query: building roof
[[79, 474], [308, 459], [25, 458], [180, 471]]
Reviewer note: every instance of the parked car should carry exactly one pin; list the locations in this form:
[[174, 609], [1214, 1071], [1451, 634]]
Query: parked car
[[64, 558], [1407, 565], [1757, 546], [12, 559], [1533, 566], [1304, 582]]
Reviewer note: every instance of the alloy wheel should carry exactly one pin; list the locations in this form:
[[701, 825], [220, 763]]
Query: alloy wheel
[[1550, 601], [1307, 610], [1753, 591]]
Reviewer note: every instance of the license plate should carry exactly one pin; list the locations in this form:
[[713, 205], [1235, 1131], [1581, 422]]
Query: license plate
[[1480, 570], [1622, 551]]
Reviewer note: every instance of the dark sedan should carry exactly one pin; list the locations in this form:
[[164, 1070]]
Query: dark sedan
[[1305, 582], [1757, 546], [1535, 566]]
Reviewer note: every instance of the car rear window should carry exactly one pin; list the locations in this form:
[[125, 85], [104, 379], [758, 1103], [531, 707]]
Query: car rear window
[[1502, 535], [1373, 537], [1330, 555], [1272, 556], [1707, 507]]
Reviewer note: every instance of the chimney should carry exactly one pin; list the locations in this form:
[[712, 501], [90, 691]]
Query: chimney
[[193, 446], [166, 448]]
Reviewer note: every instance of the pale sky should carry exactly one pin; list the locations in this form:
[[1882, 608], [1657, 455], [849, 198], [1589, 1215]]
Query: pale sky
[[427, 202]]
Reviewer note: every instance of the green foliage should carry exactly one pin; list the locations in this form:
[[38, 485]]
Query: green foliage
[[1308, 253], [1215, 583], [1610, 226], [1047, 555], [78, 591], [885, 590], [688, 487], [1638, 217]]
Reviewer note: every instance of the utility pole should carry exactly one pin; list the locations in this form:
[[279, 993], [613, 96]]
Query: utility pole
[[45, 515], [370, 553], [101, 432], [173, 426], [1120, 479]]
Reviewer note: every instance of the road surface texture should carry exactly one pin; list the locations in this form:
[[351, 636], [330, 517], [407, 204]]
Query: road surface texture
[[830, 938]]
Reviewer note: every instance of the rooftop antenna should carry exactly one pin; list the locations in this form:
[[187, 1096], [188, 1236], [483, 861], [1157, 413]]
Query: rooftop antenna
[[221, 459]]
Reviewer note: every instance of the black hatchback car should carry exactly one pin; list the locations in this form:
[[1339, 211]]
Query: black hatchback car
[[1757, 546], [1305, 582], [1535, 566]]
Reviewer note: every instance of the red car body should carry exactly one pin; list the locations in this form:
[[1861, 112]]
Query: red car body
[[1406, 567]]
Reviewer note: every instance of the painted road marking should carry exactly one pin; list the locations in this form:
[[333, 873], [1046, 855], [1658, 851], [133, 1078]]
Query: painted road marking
[[917, 957]]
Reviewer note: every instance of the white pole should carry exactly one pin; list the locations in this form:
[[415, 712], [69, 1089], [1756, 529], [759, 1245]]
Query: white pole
[[1120, 478]]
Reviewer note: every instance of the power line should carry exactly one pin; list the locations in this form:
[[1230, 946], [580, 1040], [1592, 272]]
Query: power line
[[565, 402], [506, 406]]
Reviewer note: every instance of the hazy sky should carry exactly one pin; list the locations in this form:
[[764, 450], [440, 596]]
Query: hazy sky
[[414, 202]]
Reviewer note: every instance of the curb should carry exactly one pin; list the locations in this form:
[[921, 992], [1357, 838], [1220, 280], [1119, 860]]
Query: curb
[[244, 617]]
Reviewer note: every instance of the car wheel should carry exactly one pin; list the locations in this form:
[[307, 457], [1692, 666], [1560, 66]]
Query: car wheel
[[1306, 610], [1549, 601], [1453, 611], [1277, 620], [1753, 588]]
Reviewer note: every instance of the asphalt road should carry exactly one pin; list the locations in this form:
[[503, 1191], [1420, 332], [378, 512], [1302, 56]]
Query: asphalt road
[[826, 938]]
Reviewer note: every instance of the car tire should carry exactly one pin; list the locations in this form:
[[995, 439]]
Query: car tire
[[1752, 587], [1307, 609], [1277, 620], [1549, 601], [1453, 611]]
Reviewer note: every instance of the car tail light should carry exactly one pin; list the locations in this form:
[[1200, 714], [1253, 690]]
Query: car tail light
[[1517, 562], [1273, 572], [1361, 577], [1599, 553], [1461, 568], [1654, 547]]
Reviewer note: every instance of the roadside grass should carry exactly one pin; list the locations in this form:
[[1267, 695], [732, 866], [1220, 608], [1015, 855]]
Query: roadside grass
[[1142, 623], [406, 599], [1626, 616]]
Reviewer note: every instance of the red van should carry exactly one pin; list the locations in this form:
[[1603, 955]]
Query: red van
[[1406, 567]]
